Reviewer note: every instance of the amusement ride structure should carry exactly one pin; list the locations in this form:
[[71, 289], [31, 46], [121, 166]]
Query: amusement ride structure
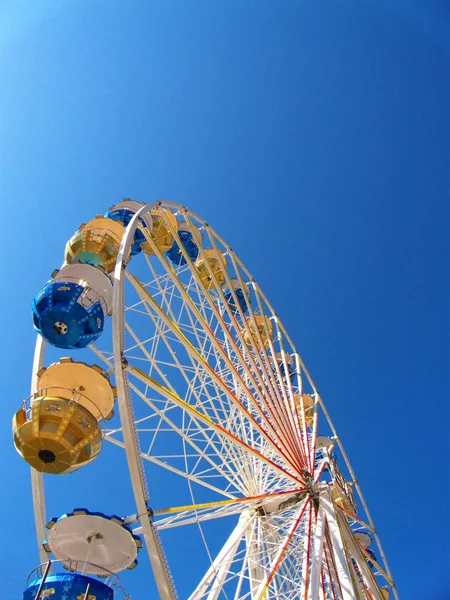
[[178, 359]]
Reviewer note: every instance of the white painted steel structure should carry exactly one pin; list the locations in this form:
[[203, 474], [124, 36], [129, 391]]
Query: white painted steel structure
[[215, 401]]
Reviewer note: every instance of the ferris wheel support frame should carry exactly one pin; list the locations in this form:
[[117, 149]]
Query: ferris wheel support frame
[[222, 560], [337, 549], [316, 563], [358, 487]]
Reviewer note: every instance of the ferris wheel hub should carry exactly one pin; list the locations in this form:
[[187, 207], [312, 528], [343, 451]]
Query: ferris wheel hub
[[280, 504]]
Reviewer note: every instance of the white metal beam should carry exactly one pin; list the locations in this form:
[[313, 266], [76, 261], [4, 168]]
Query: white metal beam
[[316, 562], [37, 478], [159, 565], [343, 572], [226, 555]]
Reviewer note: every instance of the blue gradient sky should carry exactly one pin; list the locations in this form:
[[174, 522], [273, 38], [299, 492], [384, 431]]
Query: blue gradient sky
[[314, 137]]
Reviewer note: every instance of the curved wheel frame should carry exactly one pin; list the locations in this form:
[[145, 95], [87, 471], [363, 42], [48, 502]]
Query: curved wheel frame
[[327, 523]]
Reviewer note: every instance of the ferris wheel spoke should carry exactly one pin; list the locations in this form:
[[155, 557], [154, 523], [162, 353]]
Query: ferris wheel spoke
[[182, 515], [199, 439], [299, 425], [196, 356], [259, 367], [192, 388], [227, 450], [166, 305], [206, 296], [267, 365], [269, 368], [301, 413], [218, 429], [239, 327], [298, 416], [176, 471], [187, 372]]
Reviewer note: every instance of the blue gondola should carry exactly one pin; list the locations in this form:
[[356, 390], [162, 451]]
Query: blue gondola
[[70, 310], [68, 586], [124, 216], [373, 556], [62, 320], [240, 295], [289, 361], [189, 245]]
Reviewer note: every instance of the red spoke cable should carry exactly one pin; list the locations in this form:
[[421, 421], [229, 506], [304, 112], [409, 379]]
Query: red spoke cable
[[238, 329], [215, 376]]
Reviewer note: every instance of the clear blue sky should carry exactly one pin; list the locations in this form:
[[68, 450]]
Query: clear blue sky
[[314, 137]]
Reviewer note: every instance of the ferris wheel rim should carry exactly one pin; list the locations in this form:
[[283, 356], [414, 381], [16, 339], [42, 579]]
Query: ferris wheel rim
[[123, 385], [135, 467]]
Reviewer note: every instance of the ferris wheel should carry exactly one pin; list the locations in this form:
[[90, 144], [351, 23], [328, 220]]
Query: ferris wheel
[[178, 359]]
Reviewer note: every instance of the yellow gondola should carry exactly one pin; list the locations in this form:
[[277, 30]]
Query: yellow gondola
[[215, 275], [160, 232], [59, 431], [56, 435], [96, 242], [308, 405], [263, 326], [65, 376]]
